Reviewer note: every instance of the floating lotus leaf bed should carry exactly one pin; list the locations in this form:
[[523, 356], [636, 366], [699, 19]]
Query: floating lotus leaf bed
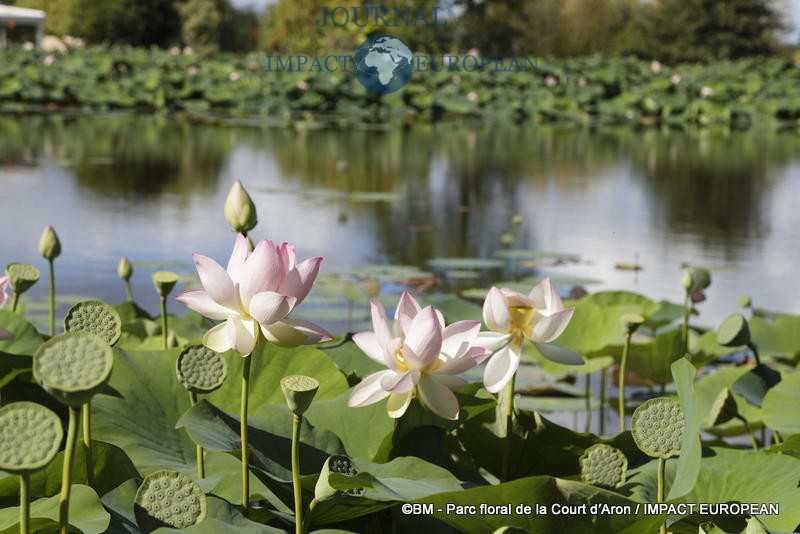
[[466, 263], [200, 369], [72, 367], [603, 465], [657, 427], [22, 276], [95, 317], [169, 499], [30, 437]]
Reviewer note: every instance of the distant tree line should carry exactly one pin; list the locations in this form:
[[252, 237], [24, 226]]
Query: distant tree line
[[667, 30]]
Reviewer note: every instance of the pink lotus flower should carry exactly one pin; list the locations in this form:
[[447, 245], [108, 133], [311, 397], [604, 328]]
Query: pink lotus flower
[[540, 317], [421, 354], [4, 334], [258, 290]]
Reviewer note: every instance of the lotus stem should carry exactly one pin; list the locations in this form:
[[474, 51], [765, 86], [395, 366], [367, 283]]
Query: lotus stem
[[66, 474], [14, 301], [52, 299], [603, 379], [201, 467], [297, 420], [349, 324], [662, 464], [749, 432], [24, 504], [685, 325], [588, 402], [87, 440], [509, 426], [754, 350], [622, 365], [307, 518], [164, 321], [243, 432], [128, 290]]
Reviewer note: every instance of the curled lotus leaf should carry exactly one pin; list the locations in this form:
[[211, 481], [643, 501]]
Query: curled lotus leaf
[[603, 465], [723, 409], [73, 367], [22, 276], [200, 369], [657, 427], [733, 332], [95, 317], [30, 438], [169, 499]]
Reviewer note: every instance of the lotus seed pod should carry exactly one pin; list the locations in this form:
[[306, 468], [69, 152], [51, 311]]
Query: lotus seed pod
[[169, 499], [323, 491], [744, 301], [734, 332], [30, 437], [200, 369], [95, 317], [603, 465], [299, 391], [657, 427], [372, 288], [240, 211], [723, 409], [632, 322], [22, 276], [124, 269], [516, 219], [164, 281], [72, 367], [507, 238], [49, 245], [700, 278]]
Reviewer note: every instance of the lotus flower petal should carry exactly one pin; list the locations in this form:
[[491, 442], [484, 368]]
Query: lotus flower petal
[[238, 257], [397, 404], [263, 271], [283, 334], [467, 360], [400, 382], [269, 307], [199, 301], [314, 334], [546, 297], [491, 340], [458, 336], [216, 281], [298, 281], [437, 397], [241, 334], [3, 284], [423, 342], [369, 390], [495, 312], [406, 310], [501, 367], [552, 326], [380, 323], [559, 354], [370, 345], [217, 338]]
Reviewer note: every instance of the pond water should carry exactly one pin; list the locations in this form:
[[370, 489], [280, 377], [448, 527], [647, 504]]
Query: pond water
[[153, 189]]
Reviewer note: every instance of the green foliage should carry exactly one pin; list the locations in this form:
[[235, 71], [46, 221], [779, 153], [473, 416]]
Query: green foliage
[[134, 22]]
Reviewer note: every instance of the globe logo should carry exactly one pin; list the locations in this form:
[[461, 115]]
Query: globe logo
[[383, 64]]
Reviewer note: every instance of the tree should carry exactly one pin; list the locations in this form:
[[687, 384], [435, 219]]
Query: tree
[[134, 22]]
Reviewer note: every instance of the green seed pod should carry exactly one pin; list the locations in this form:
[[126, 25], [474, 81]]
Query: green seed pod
[[125, 269], [95, 317], [323, 491], [733, 332], [507, 238], [744, 301], [603, 465], [372, 288], [299, 391], [723, 409], [72, 367], [22, 276], [169, 499], [49, 245], [632, 322], [240, 211], [657, 427], [164, 281], [516, 219], [30, 438], [200, 369], [699, 278]]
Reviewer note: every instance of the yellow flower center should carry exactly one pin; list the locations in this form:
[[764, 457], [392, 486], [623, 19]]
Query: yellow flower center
[[399, 360]]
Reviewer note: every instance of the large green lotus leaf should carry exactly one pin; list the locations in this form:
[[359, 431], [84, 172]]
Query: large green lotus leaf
[[351, 360], [544, 491], [86, 513], [666, 313], [704, 348], [790, 445], [130, 310], [688, 467], [111, 468], [26, 339], [781, 404], [452, 307], [779, 338], [652, 359], [734, 475], [269, 365], [710, 386]]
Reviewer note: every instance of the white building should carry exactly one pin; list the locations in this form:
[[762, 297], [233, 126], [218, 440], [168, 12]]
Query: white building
[[20, 16]]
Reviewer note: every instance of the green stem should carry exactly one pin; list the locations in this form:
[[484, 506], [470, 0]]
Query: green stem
[[588, 402], [622, 365], [128, 290], [307, 518], [685, 325], [66, 475], [14, 301], [754, 349], [201, 467], [24, 504], [349, 315], [749, 432], [603, 379], [662, 464], [297, 420], [87, 440], [243, 432], [52, 299], [509, 429], [164, 321]]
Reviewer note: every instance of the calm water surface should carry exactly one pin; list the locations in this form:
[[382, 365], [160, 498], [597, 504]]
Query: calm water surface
[[153, 190]]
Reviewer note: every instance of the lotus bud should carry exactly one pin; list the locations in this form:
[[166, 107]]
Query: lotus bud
[[632, 322], [697, 278], [22, 276], [744, 301], [240, 211], [299, 391], [124, 269], [372, 288], [516, 219], [734, 332], [323, 491], [164, 282], [49, 245], [507, 238], [686, 281]]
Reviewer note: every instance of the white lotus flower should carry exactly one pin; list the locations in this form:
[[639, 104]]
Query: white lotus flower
[[540, 316], [421, 355]]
